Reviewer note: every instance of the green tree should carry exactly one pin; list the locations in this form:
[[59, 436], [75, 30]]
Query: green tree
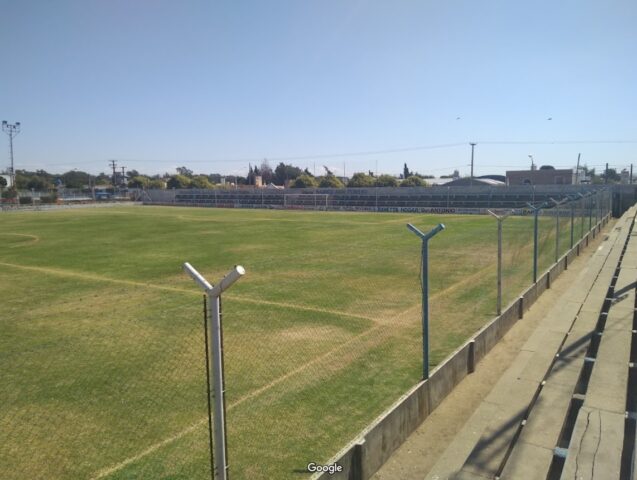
[[330, 181], [359, 180], [200, 181], [139, 181], [386, 181], [214, 178], [75, 179], [3, 182], [186, 172], [267, 175], [413, 181], [284, 173], [102, 179], [611, 176], [178, 181], [304, 181], [406, 172], [157, 183]]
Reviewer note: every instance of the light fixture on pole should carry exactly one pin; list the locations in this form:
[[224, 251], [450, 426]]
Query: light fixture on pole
[[11, 129]]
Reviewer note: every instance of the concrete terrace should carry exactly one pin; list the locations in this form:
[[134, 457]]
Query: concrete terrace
[[566, 405]]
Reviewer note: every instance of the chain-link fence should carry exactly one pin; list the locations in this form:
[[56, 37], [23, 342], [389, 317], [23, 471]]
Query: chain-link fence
[[318, 341], [94, 385]]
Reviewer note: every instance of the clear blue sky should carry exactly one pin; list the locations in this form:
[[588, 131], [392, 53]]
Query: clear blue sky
[[214, 85]]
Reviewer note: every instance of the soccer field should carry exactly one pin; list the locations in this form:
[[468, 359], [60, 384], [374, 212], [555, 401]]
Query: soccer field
[[102, 346]]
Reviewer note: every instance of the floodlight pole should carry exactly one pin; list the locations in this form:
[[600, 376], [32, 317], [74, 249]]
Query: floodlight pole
[[425, 237], [536, 211], [11, 129], [215, 342], [500, 219]]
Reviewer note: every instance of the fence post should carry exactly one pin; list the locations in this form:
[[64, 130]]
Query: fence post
[[215, 343], [572, 200], [425, 237], [536, 211], [500, 219], [557, 227], [590, 212]]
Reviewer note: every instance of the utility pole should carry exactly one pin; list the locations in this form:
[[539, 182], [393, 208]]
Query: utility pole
[[123, 176], [11, 129], [472, 147], [114, 167], [631, 173], [606, 174], [577, 180]]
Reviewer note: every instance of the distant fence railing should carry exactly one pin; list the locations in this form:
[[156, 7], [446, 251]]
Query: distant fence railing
[[436, 200]]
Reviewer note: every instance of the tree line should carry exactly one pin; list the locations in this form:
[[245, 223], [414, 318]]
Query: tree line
[[282, 174]]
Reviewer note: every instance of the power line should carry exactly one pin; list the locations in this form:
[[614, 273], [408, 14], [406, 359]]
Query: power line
[[558, 142]]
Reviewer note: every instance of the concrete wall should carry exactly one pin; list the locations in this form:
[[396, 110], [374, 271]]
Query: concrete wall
[[365, 455]]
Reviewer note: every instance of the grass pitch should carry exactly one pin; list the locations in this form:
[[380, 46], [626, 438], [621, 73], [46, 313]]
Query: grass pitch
[[101, 334]]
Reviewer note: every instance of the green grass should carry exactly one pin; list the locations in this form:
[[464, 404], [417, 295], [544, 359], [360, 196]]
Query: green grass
[[101, 333]]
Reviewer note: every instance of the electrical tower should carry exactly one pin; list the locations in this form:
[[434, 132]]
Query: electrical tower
[[11, 129]]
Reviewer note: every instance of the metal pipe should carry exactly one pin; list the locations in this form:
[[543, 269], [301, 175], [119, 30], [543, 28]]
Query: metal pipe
[[425, 237], [500, 219], [572, 220], [215, 344], [536, 211], [557, 227]]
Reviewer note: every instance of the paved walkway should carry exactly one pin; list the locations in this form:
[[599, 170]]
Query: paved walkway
[[566, 405]]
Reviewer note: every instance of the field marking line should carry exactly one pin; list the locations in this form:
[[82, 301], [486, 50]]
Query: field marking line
[[33, 238], [96, 278], [239, 298], [295, 306], [114, 468], [278, 380], [196, 218]]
